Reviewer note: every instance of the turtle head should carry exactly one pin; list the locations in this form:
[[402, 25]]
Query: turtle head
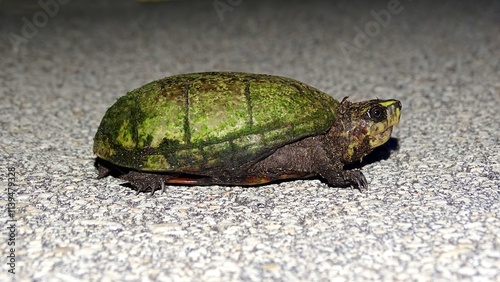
[[361, 127]]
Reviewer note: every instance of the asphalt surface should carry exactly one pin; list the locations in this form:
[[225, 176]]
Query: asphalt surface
[[432, 209]]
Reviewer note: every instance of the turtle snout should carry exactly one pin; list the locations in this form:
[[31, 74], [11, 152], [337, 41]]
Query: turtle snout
[[393, 113]]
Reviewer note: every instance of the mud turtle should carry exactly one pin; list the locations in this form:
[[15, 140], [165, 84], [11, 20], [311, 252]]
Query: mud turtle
[[233, 128]]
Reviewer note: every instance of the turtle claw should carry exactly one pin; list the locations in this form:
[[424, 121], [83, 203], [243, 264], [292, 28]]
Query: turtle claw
[[159, 183], [163, 187], [354, 178], [138, 191], [357, 179]]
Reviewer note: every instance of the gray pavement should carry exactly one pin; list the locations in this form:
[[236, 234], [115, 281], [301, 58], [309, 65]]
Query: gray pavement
[[432, 209]]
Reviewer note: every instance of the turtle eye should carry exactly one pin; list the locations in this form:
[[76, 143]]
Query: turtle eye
[[377, 112]]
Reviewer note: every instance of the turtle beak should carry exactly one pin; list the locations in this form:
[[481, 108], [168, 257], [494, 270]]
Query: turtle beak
[[383, 129]]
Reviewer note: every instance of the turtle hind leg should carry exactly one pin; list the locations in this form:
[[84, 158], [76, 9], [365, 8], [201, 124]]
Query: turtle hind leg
[[144, 181], [102, 171]]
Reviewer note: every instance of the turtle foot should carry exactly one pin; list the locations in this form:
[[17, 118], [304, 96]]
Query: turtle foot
[[345, 178], [146, 181], [356, 178]]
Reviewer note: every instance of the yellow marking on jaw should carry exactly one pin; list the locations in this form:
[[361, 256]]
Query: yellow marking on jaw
[[395, 118], [378, 127], [380, 138]]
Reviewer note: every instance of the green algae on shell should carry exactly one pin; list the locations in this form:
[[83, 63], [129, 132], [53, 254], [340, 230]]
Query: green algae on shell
[[193, 122]]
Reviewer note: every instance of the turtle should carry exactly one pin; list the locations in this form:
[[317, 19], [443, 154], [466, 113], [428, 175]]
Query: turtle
[[235, 128]]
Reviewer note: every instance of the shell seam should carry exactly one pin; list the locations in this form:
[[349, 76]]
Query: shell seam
[[187, 130]]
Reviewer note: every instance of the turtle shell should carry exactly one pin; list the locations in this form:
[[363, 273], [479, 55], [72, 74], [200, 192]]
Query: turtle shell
[[208, 121]]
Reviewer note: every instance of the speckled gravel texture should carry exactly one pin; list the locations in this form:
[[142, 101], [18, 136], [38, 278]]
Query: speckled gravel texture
[[432, 209]]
